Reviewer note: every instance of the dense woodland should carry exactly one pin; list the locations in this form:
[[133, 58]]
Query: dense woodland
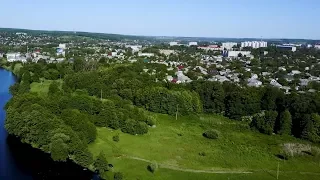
[[120, 96]]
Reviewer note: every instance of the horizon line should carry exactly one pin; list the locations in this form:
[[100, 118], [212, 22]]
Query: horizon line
[[139, 35]]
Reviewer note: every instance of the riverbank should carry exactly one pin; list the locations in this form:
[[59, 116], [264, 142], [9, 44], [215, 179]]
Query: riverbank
[[22, 161]]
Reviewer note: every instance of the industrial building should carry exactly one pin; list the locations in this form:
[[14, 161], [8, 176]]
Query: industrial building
[[287, 47]]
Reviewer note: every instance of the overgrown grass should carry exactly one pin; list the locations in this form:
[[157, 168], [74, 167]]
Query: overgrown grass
[[177, 144], [42, 87]]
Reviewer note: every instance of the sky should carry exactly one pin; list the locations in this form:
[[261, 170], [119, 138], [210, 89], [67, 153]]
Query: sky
[[191, 18]]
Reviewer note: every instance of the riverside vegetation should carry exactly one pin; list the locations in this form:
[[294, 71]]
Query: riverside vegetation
[[74, 110]]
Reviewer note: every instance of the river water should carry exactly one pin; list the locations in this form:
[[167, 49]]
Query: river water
[[20, 161]]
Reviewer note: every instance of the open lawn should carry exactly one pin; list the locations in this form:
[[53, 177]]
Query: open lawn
[[43, 87], [175, 145]]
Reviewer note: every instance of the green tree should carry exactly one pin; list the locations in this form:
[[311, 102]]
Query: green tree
[[101, 164], [83, 157], [26, 77], [59, 150], [54, 88], [285, 123], [270, 120], [311, 130]]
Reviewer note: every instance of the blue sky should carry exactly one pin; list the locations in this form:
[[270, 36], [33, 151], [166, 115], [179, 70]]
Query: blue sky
[[201, 18]]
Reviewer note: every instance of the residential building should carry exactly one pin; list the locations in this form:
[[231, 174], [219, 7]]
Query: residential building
[[146, 54], [62, 46], [228, 45], [254, 82], [173, 43], [166, 52], [12, 57], [237, 53], [254, 44], [317, 46], [135, 48], [273, 82], [193, 44], [211, 47], [304, 82]]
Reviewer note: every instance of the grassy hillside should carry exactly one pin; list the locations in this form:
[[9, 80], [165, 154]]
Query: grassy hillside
[[176, 145], [239, 153]]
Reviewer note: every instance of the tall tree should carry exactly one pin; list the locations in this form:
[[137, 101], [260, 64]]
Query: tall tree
[[285, 123]]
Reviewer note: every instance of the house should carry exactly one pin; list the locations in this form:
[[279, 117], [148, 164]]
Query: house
[[146, 54], [282, 69], [219, 78], [182, 78], [253, 82], [274, 83], [286, 89], [304, 82], [203, 70], [213, 72], [265, 73], [180, 67], [293, 72], [167, 52]]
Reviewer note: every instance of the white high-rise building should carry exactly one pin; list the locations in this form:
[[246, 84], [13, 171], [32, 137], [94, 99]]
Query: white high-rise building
[[228, 45], [254, 44]]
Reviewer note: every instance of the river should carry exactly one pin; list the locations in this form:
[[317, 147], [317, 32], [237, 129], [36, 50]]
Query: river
[[20, 161]]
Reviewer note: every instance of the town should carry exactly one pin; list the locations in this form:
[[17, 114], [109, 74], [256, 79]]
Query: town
[[288, 66]]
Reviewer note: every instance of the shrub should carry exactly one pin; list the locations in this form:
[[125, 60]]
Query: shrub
[[118, 176], [134, 127], [211, 134], [152, 167], [116, 138], [151, 121]]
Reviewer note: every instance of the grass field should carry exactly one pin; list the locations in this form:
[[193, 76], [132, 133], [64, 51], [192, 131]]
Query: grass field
[[175, 146], [43, 87]]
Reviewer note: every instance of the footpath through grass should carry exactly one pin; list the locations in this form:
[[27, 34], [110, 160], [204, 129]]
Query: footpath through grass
[[175, 146]]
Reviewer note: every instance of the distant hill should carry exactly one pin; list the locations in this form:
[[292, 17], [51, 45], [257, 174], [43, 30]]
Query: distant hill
[[118, 37]]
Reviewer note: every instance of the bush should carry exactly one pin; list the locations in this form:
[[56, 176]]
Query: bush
[[134, 127], [152, 167], [118, 176], [116, 138], [211, 134], [151, 121]]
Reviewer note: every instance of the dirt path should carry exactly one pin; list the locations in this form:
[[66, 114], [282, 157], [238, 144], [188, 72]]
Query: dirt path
[[165, 166]]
